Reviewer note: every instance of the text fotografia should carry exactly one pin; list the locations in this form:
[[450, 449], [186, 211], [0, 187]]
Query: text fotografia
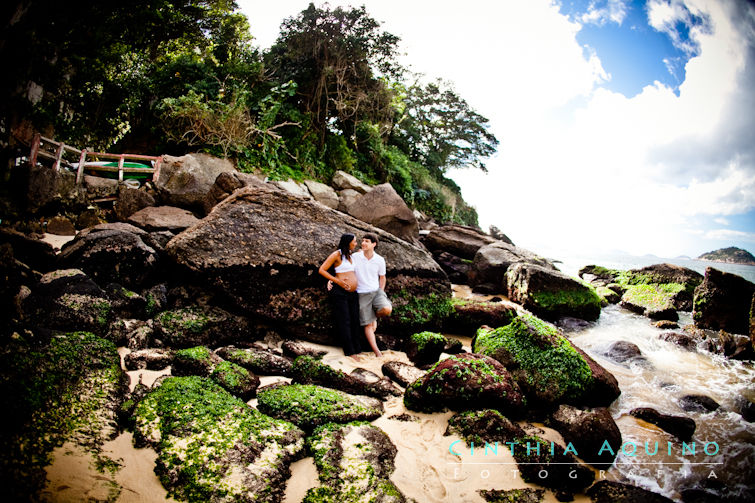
[[627, 448]]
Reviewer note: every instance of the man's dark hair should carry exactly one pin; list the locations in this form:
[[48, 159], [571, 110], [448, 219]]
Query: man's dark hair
[[372, 237]]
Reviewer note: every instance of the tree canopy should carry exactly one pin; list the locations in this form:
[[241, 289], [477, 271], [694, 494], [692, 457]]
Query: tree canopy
[[176, 76]]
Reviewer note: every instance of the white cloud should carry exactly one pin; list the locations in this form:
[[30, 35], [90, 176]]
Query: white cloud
[[730, 235], [613, 11], [721, 221]]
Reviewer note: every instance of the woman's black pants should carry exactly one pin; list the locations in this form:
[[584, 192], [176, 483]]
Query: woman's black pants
[[346, 317]]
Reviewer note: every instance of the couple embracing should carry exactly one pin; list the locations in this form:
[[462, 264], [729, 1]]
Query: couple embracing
[[357, 293]]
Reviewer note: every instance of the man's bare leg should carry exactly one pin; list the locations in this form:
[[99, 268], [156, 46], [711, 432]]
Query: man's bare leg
[[369, 333]]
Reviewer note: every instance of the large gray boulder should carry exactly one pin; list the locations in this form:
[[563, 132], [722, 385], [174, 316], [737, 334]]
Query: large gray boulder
[[551, 294], [185, 181], [343, 181], [384, 208], [163, 218], [491, 262], [48, 189], [261, 249], [322, 193], [459, 240], [723, 301]]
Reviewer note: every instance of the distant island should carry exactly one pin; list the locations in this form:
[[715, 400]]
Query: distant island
[[731, 255]]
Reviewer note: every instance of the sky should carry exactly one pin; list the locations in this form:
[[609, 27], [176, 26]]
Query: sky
[[624, 125]]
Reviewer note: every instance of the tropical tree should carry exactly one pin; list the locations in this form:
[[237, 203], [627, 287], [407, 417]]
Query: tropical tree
[[437, 128]]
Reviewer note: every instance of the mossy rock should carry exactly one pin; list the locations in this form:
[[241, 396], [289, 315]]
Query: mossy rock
[[70, 389], [461, 382], [551, 294], [486, 425], [418, 305], [195, 326], [512, 495], [235, 379], [548, 369], [424, 348], [310, 370], [309, 406], [354, 462], [608, 295], [656, 301], [258, 361], [211, 446], [199, 361]]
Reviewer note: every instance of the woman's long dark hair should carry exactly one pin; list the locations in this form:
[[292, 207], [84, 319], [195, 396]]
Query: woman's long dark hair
[[344, 244]]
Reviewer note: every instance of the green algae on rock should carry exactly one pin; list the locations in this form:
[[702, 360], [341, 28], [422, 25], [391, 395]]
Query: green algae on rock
[[354, 462], [548, 369], [68, 390], [469, 381], [212, 446], [195, 326], [425, 347], [309, 406], [235, 379]]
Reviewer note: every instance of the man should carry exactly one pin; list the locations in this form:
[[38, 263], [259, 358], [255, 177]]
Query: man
[[373, 302]]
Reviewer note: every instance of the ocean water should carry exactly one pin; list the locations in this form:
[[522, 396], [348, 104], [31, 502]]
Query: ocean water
[[722, 450]]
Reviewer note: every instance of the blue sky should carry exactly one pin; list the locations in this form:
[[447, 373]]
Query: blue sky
[[624, 125]]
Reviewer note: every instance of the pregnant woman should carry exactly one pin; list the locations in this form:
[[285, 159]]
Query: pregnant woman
[[343, 295]]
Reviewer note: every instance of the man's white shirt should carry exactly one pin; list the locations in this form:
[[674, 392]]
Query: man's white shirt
[[368, 271]]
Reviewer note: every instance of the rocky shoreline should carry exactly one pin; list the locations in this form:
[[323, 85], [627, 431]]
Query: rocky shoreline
[[209, 277]]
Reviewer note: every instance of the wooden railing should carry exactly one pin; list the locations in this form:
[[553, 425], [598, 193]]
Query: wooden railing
[[50, 149]]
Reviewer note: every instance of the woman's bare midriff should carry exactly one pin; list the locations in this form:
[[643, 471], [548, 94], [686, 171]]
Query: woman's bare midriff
[[349, 277]]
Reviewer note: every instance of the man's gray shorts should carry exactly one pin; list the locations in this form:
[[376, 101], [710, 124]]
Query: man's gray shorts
[[369, 304]]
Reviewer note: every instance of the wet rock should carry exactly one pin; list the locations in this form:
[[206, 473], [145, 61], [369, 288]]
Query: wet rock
[[98, 187], [196, 361], [89, 218], [453, 346], [353, 459], [259, 361], [461, 382], [322, 193], [112, 253], [469, 315], [660, 274], [666, 324], [385, 209], [195, 326], [235, 379], [456, 268], [569, 324], [250, 453], [587, 431], [515, 495], [163, 218], [35, 253], [722, 302], [698, 403], [60, 226], [309, 406], [623, 352], [261, 249], [401, 373], [158, 240], [491, 262], [157, 299], [121, 329], [48, 190], [608, 295], [682, 340], [424, 348], [551, 294], [307, 370], [549, 369], [132, 200], [150, 359], [746, 409], [486, 425], [125, 303], [679, 426], [68, 300], [606, 491], [292, 349], [185, 181], [644, 300], [457, 240], [345, 181]]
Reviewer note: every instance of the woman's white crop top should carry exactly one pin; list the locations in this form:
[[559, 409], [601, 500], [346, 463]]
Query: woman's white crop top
[[345, 266]]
